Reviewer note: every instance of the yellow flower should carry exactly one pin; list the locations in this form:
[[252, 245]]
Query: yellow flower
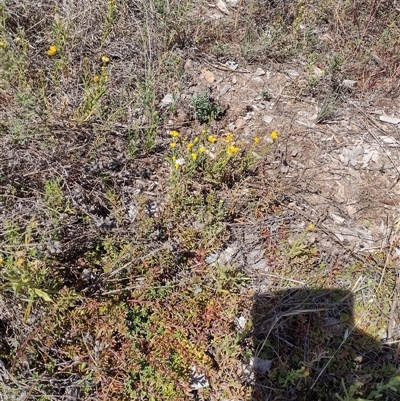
[[256, 139], [229, 138], [173, 144], [96, 78], [310, 227], [2, 44], [52, 50], [211, 138], [194, 156], [202, 149], [274, 135], [174, 134], [232, 150], [173, 158], [204, 131], [177, 165], [105, 59], [195, 140], [189, 145]]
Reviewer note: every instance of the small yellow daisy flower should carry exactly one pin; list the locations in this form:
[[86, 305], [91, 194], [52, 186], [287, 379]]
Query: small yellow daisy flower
[[195, 140], [189, 145], [211, 138], [310, 227], [202, 149], [52, 51], [194, 156], [232, 150], [173, 158], [173, 144], [256, 139], [96, 78], [2, 44], [229, 138], [274, 135], [174, 134], [105, 59], [177, 165], [204, 131]]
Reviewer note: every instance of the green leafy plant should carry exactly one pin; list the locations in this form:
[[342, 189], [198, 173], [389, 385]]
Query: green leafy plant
[[95, 86], [328, 108], [204, 108], [266, 95], [26, 278]]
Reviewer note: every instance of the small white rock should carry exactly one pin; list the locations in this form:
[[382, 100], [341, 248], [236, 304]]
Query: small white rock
[[241, 322], [259, 72], [268, 119], [225, 89], [258, 80], [349, 83], [180, 161], [232, 65], [167, 100], [388, 119]]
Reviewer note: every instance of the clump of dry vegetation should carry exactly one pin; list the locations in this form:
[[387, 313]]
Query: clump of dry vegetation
[[109, 214]]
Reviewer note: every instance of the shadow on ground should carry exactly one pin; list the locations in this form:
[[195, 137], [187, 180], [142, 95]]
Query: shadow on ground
[[308, 348]]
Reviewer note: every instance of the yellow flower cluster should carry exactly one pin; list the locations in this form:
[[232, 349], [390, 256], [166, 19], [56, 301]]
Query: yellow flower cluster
[[52, 51], [191, 154], [229, 138]]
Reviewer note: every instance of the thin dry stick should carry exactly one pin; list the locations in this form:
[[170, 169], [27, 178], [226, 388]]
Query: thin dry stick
[[393, 309]]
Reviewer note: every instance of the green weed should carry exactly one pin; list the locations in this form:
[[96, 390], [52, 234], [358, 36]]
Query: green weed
[[205, 109]]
